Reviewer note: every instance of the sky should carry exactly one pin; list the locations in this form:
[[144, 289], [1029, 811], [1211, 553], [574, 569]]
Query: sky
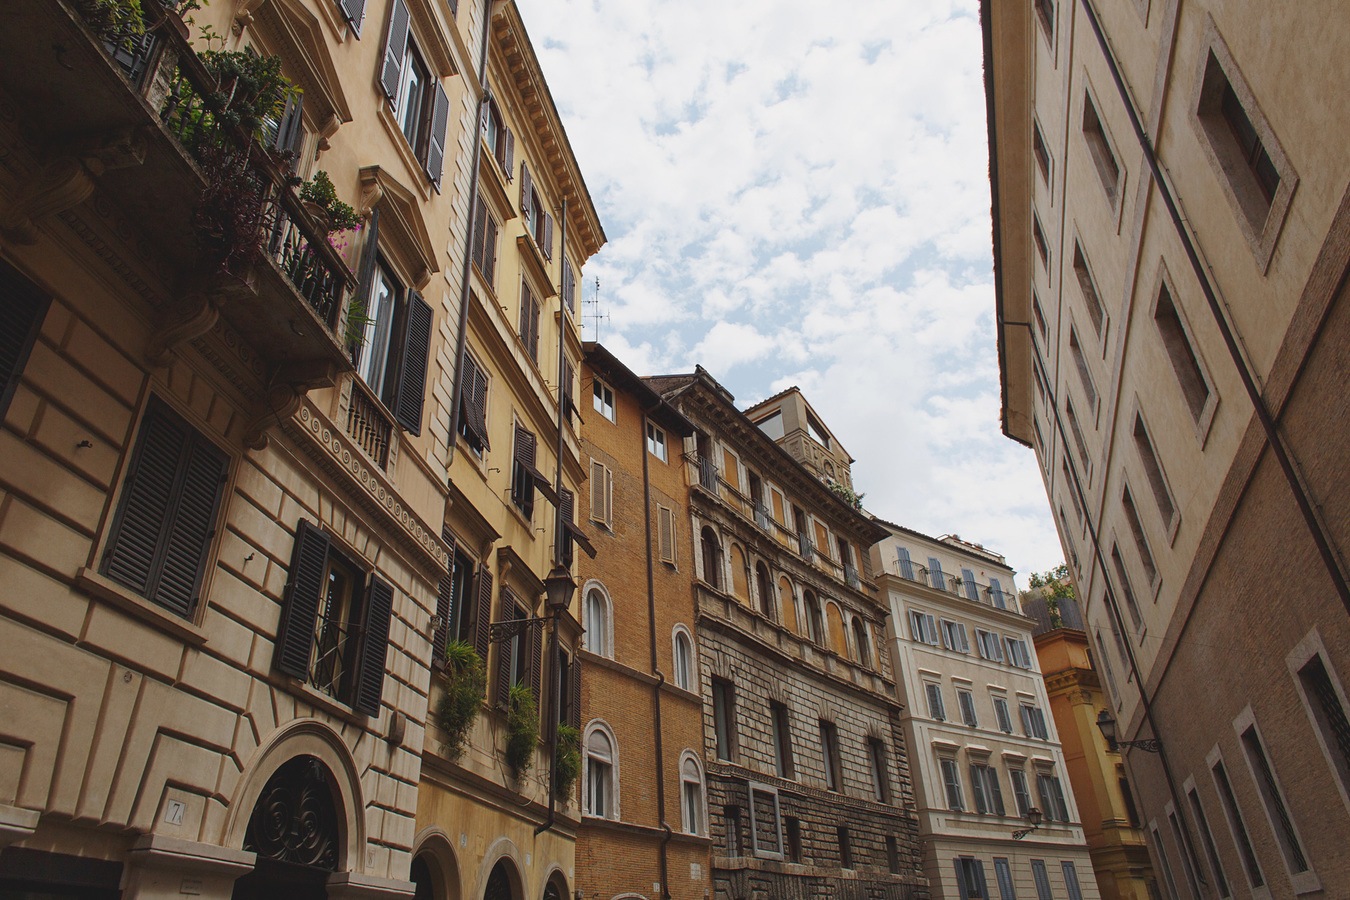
[[797, 193]]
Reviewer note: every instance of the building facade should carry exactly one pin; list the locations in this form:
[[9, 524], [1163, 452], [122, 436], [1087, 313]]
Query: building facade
[[1115, 836], [975, 716], [643, 828], [1170, 233], [807, 776]]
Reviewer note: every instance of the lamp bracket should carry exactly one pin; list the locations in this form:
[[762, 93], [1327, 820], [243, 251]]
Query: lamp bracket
[[505, 631]]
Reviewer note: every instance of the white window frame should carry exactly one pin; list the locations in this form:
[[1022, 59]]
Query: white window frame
[[690, 680], [602, 398], [1019, 654], [758, 789], [600, 725], [989, 645], [923, 627], [601, 643], [656, 442], [952, 630], [693, 821]]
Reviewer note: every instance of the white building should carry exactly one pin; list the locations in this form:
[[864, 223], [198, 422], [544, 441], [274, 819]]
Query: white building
[[983, 748]]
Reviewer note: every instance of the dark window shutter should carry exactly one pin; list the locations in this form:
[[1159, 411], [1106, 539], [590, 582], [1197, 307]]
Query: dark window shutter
[[480, 390], [22, 308], [473, 401], [574, 709], [440, 120], [479, 225], [569, 285], [509, 154], [395, 47], [355, 13], [412, 379], [369, 250], [482, 610], [441, 636], [547, 246], [454, 8], [503, 680], [490, 250], [374, 646], [526, 193], [523, 326], [533, 637], [566, 505], [304, 589], [192, 528], [961, 884], [291, 128]]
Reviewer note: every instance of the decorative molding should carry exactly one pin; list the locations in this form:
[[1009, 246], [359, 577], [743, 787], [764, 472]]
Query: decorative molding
[[68, 180]]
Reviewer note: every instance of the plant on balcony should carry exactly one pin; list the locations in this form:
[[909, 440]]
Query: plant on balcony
[[118, 22], [566, 760], [465, 683], [322, 198], [231, 218], [846, 493], [522, 728], [1055, 585]]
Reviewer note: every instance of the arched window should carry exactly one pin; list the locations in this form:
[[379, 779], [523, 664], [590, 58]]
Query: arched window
[[691, 794], [787, 602], [601, 788], [815, 626], [684, 659], [763, 588], [861, 641], [712, 557], [740, 574], [836, 635], [596, 620]]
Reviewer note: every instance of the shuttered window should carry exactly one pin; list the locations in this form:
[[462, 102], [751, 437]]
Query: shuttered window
[[1042, 879], [415, 94], [525, 477], [1003, 873], [334, 629], [951, 781], [166, 517], [569, 285], [22, 308], [529, 321], [473, 393], [1021, 792], [935, 577], [445, 591], [602, 494], [936, 709], [394, 344], [484, 250], [665, 533]]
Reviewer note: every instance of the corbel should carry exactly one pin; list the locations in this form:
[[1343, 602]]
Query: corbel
[[196, 315], [290, 383]]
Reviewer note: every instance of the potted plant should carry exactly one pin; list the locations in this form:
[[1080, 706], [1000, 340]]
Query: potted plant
[[321, 201], [566, 761], [522, 728], [465, 682]]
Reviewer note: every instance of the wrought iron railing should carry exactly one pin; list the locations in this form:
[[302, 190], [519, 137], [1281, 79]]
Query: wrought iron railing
[[368, 425]]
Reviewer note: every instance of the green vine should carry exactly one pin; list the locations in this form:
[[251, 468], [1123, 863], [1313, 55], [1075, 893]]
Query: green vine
[[465, 684], [522, 728], [567, 760]]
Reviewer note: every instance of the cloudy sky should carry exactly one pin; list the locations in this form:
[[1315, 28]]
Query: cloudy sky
[[796, 193]]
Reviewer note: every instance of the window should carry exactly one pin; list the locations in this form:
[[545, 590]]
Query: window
[[1001, 713], [1003, 874], [25, 308], [881, 782], [1207, 839], [1126, 588], [793, 827], [656, 442], [862, 642], [596, 618], [1018, 652], [1021, 793], [724, 718], [815, 623], [419, 103], [988, 794], [691, 795], [970, 878], [1077, 431], [1033, 722], [1081, 365], [1328, 715], [500, 141], [1044, 331], [1140, 540], [951, 780], [602, 798], [1039, 150], [905, 563], [766, 832], [473, 397], [1187, 863], [484, 251], [1273, 799], [731, 818], [334, 627], [1157, 482], [455, 600], [1071, 879], [1087, 286], [603, 399], [1166, 864], [684, 659], [996, 594], [538, 222], [829, 750], [764, 587], [519, 657], [1105, 659], [391, 353], [935, 577], [845, 848], [665, 533], [1235, 823], [989, 645], [1052, 798], [892, 855], [923, 627], [528, 326], [711, 555], [1099, 148], [781, 726], [969, 585], [1042, 880], [525, 478], [1045, 14], [954, 636], [602, 494], [966, 700], [166, 517], [1186, 365], [936, 710], [1038, 238]]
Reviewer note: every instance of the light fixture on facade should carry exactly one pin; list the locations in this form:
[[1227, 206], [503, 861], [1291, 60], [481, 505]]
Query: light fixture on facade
[[1106, 723], [1035, 817]]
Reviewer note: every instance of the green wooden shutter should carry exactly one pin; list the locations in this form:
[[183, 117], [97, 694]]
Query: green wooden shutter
[[304, 590], [374, 646], [412, 378]]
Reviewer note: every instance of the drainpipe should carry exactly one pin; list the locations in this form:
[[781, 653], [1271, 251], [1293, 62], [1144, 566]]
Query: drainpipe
[[462, 338], [660, 676]]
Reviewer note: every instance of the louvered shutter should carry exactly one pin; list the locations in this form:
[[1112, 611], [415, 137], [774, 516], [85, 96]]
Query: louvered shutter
[[977, 789], [532, 637], [522, 482], [995, 793], [482, 613], [574, 709], [526, 195], [972, 589], [523, 326], [412, 378], [1026, 720], [906, 564], [291, 128], [961, 884], [369, 250], [609, 497], [509, 155], [201, 484], [665, 533], [1005, 883], [480, 389], [569, 285], [504, 648], [395, 47], [996, 591], [479, 222], [354, 11], [374, 646], [304, 589], [935, 576], [489, 249], [565, 394], [566, 508], [546, 247], [597, 491], [440, 121], [21, 315], [444, 603]]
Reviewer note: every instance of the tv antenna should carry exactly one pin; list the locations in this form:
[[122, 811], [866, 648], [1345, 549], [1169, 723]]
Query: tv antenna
[[595, 316]]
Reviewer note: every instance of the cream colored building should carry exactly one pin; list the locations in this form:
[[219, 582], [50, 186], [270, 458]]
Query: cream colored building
[[984, 750], [1171, 223]]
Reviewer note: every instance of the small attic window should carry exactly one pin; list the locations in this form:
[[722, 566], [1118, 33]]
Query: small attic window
[[772, 425], [817, 431]]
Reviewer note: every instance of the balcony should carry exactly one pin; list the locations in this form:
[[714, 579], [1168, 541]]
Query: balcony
[[145, 130]]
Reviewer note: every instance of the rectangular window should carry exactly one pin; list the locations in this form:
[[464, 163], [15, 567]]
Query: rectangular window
[[1033, 722], [1019, 654], [1187, 863], [166, 516], [1077, 431], [1041, 327], [529, 321], [1242, 141], [1021, 791], [1328, 714], [970, 878], [1099, 147], [1143, 445], [988, 644], [1045, 15], [1071, 880], [881, 782], [485, 243], [793, 827], [766, 832], [1166, 863], [966, 700], [1140, 540], [1273, 798], [1001, 713], [25, 308], [656, 442], [731, 816], [923, 627], [534, 214], [1081, 365], [1087, 286], [1186, 365], [1126, 588], [500, 141], [1207, 838], [1053, 804], [954, 636], [1107, 668], [665, 533], [782, 741], [829, 749], [473, 397], [892, 855], [525, 477], [951, 780], [845, 848], [1042, 880], [603, 400], [1040, 151], [1042, 247], [1236, 825], [602, 493], [1003, 874], [988, 794], [419, 103], [724, 718], [969, 586], [936, 710]]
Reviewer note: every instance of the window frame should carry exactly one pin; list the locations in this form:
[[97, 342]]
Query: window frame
[[725, 737], [680, 636], [1101, 148], [831, 762], [1183, 339], [1309, 651], [603, 644], [693, 821], [965, 702], [611, 779], [923, 627], [602, 399], [780, 732], [656, 442], [1271, 792]]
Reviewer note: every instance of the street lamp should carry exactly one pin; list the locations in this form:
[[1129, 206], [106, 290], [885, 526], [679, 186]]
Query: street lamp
[[1106, 723], [558, 589], [1034, 816]]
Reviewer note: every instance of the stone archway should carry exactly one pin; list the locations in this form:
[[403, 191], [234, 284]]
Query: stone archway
[[499, 885], [296, 831]]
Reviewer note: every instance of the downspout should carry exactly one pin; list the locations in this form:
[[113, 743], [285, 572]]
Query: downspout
[[1283, 455], [463, 337], [660, 676]]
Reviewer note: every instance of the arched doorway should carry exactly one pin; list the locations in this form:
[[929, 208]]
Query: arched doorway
[[296, 831], [499, 883]]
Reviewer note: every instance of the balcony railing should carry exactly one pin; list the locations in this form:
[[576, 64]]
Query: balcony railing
[[368, 424], [975, 592]]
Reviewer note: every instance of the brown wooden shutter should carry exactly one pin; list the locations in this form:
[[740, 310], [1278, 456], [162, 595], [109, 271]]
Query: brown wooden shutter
[[509, 156], [374, 646], [479, 225], [526, 194], [489, 249], [21, 316], [569, 285], [546, 247], [482, 614], [533, 637], [665, 529], [444, 600], [565, 394], [412, 378], [609, 496], [354, 11], [574, 709], [597, 491], [300, 609], [201, 484], [567, 508], [395, 46], [526, 302], [440, 121], [502, 690]]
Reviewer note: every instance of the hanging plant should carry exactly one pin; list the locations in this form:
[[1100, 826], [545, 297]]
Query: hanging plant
[[231, 217], [320, 194], [465, 683], [567, 760], [522, 728]]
